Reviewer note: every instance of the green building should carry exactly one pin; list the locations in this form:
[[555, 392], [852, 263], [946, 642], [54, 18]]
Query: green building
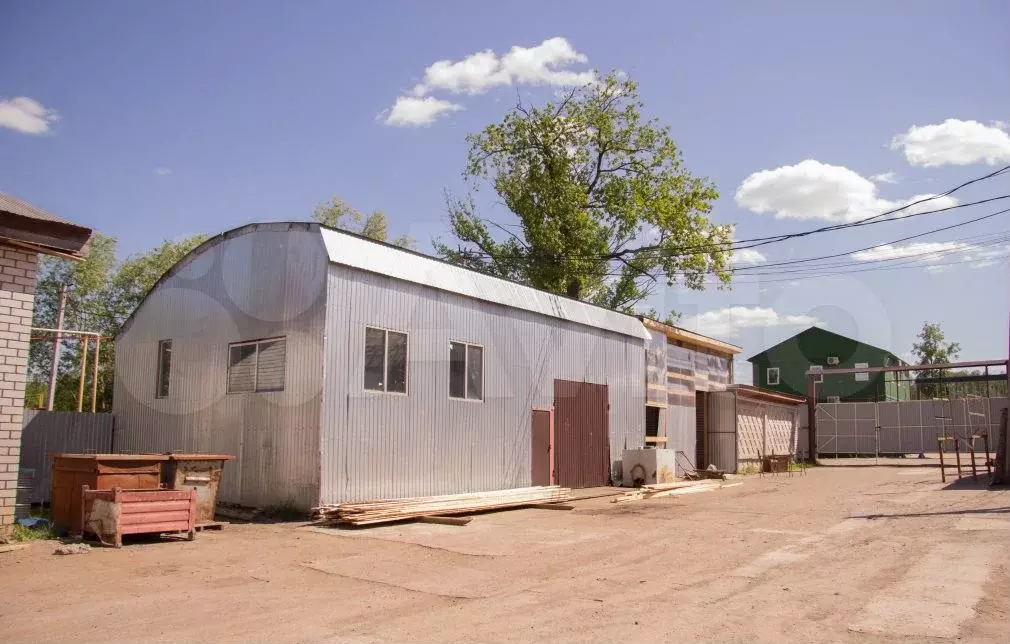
[[783, 368]]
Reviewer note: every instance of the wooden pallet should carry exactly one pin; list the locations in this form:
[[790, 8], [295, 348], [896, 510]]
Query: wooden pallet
[[211, 525]]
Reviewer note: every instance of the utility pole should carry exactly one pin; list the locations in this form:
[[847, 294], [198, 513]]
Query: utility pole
[[56, 348]]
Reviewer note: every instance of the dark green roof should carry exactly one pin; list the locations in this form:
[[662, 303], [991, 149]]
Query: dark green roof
[[819, 331]]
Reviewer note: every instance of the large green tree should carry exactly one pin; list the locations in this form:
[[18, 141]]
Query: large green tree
[[932, 347], [337, 213], [101, 294], [606, 210]]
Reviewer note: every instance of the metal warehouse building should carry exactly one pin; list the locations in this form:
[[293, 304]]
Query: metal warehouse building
[[337, 368]]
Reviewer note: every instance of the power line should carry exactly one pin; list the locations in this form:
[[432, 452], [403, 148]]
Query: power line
[[1004, 238], [864, 222], [864, 270], [893, 241], [763, 241]]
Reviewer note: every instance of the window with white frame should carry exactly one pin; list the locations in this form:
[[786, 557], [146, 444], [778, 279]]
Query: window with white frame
[[164, 375], [466, 371], [257, 365], [385, 360], [772, 376], [820, 376], [862, 377]]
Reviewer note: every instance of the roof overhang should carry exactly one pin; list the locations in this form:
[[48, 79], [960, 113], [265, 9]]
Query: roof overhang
[[28, 227], [751, 392], [690, 337]]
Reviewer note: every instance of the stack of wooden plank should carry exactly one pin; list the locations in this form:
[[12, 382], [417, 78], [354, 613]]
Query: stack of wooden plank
[[385, 510]]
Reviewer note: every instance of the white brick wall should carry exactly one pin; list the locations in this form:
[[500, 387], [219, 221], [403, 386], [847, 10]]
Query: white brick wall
[[17, 298]]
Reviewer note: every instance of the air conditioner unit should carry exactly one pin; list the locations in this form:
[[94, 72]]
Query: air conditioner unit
[[834, 399], [833, 360]]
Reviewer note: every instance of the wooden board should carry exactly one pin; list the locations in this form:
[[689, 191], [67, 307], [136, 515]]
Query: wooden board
[[445, 520]]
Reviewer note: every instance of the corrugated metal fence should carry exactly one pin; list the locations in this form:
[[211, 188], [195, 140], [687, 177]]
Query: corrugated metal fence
[[907, 427], [53, 432]]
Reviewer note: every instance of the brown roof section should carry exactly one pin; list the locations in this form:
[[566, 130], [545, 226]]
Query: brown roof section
[[767, 395], [690, 337], [24, 225]]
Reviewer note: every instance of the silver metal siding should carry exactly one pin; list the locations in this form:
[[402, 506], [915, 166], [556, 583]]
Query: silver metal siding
[[355, 252], [265, 281], [389, 445]]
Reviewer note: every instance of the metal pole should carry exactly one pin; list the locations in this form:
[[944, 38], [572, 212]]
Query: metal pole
[[812, 418], [94, 374], [84, 370], [56, 348], [943, 472]]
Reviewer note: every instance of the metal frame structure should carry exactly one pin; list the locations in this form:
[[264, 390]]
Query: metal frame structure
[[85, 338], [948, 433]]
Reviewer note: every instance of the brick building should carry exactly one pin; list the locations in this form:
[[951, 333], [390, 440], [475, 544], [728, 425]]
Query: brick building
[[25, 231]]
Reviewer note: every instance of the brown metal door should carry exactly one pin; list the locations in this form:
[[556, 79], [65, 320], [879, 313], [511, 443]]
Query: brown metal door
[[581, 434], [541, 465]]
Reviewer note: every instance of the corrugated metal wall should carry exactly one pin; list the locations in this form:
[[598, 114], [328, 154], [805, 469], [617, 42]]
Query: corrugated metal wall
[[259, 282], [722, 430], [56, 432], [388, 445]]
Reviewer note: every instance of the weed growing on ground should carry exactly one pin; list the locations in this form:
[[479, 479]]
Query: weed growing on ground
[[21, 533]]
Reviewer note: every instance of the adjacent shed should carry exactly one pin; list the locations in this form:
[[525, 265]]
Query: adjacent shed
[[338, 368], [746, 424]]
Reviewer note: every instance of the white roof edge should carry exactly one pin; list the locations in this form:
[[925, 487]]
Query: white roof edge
[[357, 252]]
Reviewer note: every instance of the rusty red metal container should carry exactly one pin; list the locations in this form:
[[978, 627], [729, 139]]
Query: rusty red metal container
[[110, 514], [200, 472], [71, 472]]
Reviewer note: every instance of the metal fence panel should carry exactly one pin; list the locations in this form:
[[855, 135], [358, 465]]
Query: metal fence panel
[[906, 427], [57, 432]]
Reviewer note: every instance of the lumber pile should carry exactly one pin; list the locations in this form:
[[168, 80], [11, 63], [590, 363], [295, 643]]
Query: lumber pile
[[386, 510], [659, 490]]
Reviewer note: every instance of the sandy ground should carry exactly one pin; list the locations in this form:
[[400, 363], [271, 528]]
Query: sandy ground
[[842, 554]]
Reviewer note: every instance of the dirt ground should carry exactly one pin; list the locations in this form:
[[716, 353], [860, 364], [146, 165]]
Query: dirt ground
[[842, 554]]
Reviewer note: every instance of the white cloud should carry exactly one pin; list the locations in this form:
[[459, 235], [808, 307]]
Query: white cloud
[[814, 190], [26, 115], [926, 251], [474, 74], [729, 321], [411, 110], [954, 142], [543, 64], [747, 257], [885, 177], [162, 171]]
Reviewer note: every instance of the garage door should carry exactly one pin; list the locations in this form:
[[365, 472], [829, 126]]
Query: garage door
[[581, 434]]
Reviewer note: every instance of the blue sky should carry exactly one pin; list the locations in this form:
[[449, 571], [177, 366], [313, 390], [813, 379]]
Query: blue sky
[[170, 119]]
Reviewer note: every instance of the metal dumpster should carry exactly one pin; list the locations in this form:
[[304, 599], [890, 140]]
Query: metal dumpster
[[109, 514], [201, 472], [71, 472]]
